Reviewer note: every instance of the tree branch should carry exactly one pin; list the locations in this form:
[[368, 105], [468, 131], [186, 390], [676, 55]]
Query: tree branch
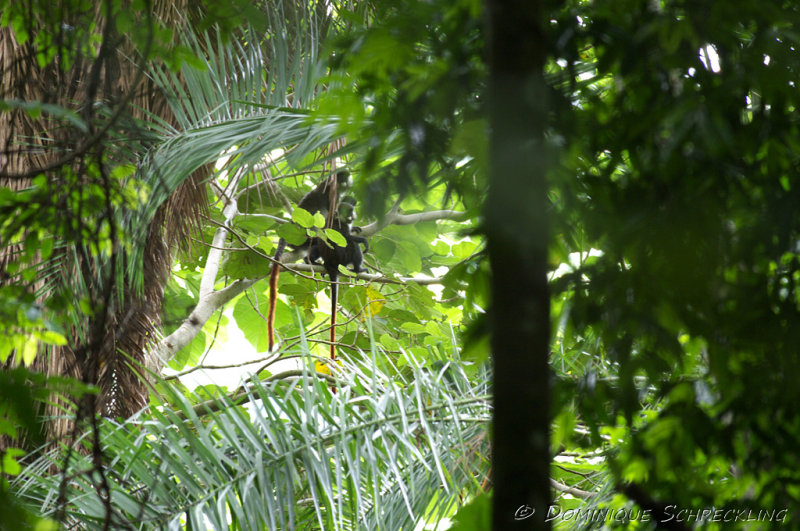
[[395, 218], [379, 279], [578, 493], [229, 211], [166, 349], [211, 301]]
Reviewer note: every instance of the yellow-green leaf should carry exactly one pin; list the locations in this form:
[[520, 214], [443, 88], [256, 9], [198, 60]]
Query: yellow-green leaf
[[29, 350], [336, 237], [303, 218]]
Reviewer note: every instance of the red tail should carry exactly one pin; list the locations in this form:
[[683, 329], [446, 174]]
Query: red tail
[[273, 293]]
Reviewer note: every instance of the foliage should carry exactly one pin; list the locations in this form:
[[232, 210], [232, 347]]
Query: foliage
[[671, 137], [276, 152], [680, 167], [245, 106], [20, 392], [422, 85], [381, 452]]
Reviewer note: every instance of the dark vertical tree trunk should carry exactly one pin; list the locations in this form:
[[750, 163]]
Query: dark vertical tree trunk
[[129, 331], [517, 235]]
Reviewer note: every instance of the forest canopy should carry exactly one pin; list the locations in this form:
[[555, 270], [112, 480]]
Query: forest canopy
[[578, 305]]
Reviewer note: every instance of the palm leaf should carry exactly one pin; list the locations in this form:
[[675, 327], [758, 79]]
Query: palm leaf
[[378, 454], [215, 108], [244, 99]]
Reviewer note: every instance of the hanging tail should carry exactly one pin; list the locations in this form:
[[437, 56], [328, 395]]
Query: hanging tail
[[273, 292]]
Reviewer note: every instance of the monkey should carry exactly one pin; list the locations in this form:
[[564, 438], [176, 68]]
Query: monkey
[[334, 255], [324, 198]]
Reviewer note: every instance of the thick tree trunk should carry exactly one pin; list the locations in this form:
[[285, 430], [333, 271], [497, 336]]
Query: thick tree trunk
[[517, 235], [130, 327]]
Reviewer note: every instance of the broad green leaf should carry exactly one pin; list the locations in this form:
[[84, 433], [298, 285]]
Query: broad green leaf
[[409, 257], [10, 464], [475, 515], [464, 249], [344, 271], [383, 249], [441, 248], [6, 348], [292, 233], [27, 349], [8, 427], [253, 324], [303, 218], [336, 237], [254, 224], [435, 329], [51, 337], [413, 328], [247, 264], [389, 342], [190, 354], [46, 524], [295, 289]]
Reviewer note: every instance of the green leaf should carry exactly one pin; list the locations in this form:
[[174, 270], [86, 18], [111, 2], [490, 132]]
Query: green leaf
[[190, 354], [336, 237], [6, 348], [464, 249], [123, 171], [344, 271], [8, 428], [253, 324], [254, 224], [409, 257], [303, 218], [28, 350], [389, 342], [46, 247], [10, 464], [441, 248], [296, 289], [564, 428], [413, 328], [435, 329], [46, 524], [51, 337], [383, 249], [124, 21], [247, 264], [292, 233], [475, 515]]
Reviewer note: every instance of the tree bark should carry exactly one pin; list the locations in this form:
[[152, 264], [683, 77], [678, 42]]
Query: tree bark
[[517, 236], [129, 327]]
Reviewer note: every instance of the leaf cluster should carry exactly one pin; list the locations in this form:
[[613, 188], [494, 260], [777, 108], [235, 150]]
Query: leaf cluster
[[678, 176], [381, 452]]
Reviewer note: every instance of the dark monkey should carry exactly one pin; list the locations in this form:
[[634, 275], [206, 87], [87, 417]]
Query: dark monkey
[[324, 198], [334, 255]]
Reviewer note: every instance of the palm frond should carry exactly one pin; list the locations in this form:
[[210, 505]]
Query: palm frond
[[245, 99], [378, 454]]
